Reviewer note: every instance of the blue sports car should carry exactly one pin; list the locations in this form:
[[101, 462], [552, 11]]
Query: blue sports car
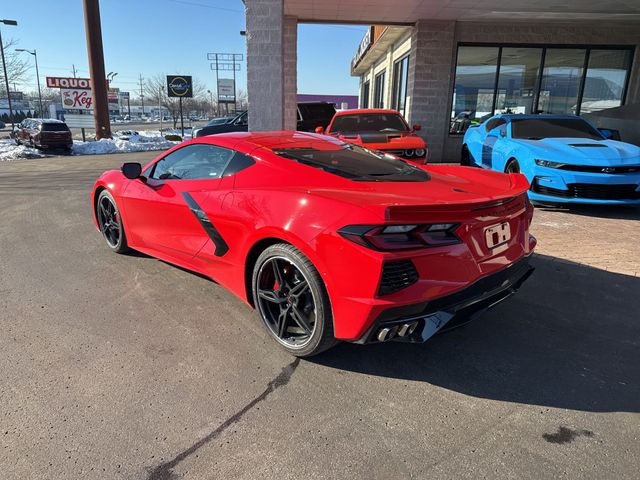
[[564, 157]]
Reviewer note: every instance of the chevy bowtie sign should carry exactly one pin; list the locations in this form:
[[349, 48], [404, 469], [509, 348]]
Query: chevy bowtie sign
[[179, 86]]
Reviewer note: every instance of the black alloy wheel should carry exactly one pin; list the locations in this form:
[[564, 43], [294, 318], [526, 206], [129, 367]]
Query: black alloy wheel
[[292, 301], [110, 222], [512, 166]]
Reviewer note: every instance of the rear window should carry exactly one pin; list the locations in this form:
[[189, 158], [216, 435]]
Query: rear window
[[356, 163], [54, 127], [369, 122], [539, 128], [315, 111]]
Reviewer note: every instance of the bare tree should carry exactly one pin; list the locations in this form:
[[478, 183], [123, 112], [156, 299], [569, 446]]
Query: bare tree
[[155, 91], [17, 65]]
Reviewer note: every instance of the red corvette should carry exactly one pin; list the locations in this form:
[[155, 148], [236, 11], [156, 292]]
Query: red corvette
[[328, 241], [382, 130]]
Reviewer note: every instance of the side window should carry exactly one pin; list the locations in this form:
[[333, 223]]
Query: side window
[[239, 162], [243, 119], [496, 122], [192, 162]]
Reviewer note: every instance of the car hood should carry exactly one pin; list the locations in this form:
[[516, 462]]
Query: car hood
[[581, 151], [449, 188], [399, 140]]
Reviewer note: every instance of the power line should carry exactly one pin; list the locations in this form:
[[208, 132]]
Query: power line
[[196, 4]]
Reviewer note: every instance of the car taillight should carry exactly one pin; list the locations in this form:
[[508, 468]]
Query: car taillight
[[401, 237]]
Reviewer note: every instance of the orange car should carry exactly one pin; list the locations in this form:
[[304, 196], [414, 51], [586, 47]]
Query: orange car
[[379, 129]]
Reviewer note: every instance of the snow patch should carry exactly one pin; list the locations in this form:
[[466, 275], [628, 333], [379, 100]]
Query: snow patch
[[125, 141], [10, 151]]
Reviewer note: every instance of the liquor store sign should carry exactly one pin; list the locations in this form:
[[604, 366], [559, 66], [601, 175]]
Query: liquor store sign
[[75, 98], [69, 82]]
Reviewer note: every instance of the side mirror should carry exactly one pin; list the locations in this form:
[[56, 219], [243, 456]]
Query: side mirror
[[320, 130], [417, 127], [610, 134], [131, 170]]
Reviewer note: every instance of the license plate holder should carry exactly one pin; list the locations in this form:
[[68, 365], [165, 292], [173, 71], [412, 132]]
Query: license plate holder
[[497, 235]]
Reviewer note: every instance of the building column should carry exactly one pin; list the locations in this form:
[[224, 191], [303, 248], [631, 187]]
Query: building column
[[271, 66], [431, 66]]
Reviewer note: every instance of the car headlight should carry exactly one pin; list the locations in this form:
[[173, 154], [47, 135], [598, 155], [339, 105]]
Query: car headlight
[[408, 153], [420, 152], [549, 164]]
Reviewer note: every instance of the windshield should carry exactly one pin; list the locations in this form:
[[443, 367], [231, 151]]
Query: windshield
[[356, 163], [54, 127], [369, 122], [539, 128]]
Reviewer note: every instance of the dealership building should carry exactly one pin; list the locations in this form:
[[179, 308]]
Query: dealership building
[[446, 63]]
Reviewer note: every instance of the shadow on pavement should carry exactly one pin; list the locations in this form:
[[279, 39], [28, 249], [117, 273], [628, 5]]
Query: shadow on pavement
[[624, 212], [569, 339]]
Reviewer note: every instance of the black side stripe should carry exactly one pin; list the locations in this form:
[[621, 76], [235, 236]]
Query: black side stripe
[[212, 231]]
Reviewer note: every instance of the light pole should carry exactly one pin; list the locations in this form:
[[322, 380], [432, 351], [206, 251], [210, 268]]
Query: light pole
[[35, 55], [110, 77], [4, 66], [160, 106], [210, 101]]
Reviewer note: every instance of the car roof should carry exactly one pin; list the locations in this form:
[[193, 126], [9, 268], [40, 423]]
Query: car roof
[[356, 111], [516, 116], [272, 140]]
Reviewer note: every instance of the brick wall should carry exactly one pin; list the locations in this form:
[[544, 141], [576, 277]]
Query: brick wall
[[430, 66], [269, 37]]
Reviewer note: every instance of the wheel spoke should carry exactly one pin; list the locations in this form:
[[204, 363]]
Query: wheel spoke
[[282, 321], [103, 211], [277, 274], [299, 289], [298, 317], [271, 296]]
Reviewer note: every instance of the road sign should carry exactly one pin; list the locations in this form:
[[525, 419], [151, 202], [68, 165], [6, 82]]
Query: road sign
[[226, 90], [179, 86], [79, 121]]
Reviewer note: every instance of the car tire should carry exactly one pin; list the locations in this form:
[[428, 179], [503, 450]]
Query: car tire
[[110, 223], [512, 166], [292, 301]]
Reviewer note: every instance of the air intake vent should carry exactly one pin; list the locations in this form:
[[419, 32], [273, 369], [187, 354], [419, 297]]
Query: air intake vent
[[588, 145], [396, 276]]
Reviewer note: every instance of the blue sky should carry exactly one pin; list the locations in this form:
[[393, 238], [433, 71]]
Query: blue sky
[[170, 36]]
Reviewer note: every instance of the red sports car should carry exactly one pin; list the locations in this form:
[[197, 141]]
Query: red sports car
[[382, 130], [327, 240]]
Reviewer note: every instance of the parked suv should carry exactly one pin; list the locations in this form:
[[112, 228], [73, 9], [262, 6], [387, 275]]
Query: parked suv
[[43, 133], [310, 116]]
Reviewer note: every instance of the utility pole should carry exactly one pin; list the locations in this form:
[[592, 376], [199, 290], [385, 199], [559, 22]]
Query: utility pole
[[96, 68], [4, 66], [142, 94], [73, 69]]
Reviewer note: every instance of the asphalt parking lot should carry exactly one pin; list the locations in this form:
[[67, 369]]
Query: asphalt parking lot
[[125, 367]]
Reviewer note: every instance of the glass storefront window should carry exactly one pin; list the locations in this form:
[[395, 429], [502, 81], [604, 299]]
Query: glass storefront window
[[606, 78], [400, 74], [378, 91], [364, 101], [518, 79], [475, 82], [536, 79], [561, 80]]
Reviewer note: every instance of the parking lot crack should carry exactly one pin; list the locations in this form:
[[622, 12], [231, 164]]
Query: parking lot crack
[[164, 471]]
